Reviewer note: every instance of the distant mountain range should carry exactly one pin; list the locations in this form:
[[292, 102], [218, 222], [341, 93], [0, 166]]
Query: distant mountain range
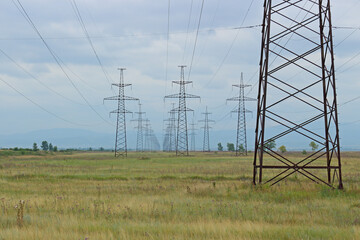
[[79, 138]]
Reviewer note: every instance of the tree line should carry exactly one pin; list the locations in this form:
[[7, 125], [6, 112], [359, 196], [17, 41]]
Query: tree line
[[269, 145], [45, 146]]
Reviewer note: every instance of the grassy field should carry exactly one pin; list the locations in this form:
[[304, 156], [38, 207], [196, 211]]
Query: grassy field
[[159, 196]]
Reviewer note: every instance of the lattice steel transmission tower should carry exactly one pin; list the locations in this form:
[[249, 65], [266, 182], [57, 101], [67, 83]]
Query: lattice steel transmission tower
[[166, 146], [297, 93], [241, 140], [192, 136], [120, 140], [147, 135], [206, 121], [170, 132], [151, 141], [182, 147], [140, 128]]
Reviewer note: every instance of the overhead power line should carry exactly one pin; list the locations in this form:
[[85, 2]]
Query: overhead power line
[[82, 24], [41, 107], [22, 10], [36, 79], [187, 30], [196, 38], [231, 45]]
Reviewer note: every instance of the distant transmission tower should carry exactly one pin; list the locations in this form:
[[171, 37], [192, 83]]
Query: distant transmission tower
[[151, 141], [297, 72], [206, 121], [241, 141], [170, 133], [154, 142], [192, 136], [140, 128], [120, 140], [147, 146], [166, 147], [182, 147]]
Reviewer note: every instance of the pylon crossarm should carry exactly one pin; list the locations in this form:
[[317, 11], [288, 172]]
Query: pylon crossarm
[[125, 98], [120, 111], [121, 84]]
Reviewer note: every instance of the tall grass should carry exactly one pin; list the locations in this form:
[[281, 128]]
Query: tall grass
[[156, 196]]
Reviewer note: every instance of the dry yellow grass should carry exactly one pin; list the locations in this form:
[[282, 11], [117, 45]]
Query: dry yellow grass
[[155, 196]]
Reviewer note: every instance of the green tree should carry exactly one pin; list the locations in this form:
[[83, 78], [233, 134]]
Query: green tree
[[230, 147], [220, 147], [282, 149], [304, 152], [55, 149], [44, 145], [101, 149], [313, 146], [270, 144], [51, 148], [35, 147], [241, 148]]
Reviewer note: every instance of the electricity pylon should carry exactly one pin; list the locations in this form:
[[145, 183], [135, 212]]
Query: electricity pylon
[[192, 136], [206, 121], [147, 146], [241, 141], [140, 128], [120, 140], [151, 141], [297, 72], [166, 145], [170, 132], [182, 147]]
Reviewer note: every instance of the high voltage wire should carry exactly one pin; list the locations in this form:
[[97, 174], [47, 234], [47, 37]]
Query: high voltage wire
[[43, 108], [82, 24], [196, 38], [187, 30], [151, 34], [232, 28], [231, 45], [167, 43], [36, 79], [22, 10], [167, 54], [258, 25]]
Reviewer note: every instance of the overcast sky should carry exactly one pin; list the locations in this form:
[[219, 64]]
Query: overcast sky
[[133, 34]]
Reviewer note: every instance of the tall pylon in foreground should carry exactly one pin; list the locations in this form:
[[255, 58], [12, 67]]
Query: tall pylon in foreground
[[241, 140], [297, 94], [120, 140], [206, 121], [182, 147]]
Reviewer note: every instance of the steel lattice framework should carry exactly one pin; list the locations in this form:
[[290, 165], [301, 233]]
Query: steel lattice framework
[[147, 142], [241, 140], [120, 140], [151, 141], [140, 128], [169, 143], [182, 146], [192, 136], [206, 140], [297, 73]]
